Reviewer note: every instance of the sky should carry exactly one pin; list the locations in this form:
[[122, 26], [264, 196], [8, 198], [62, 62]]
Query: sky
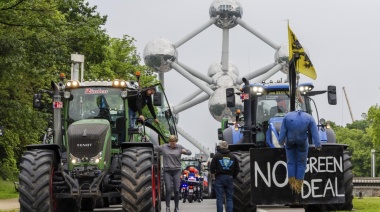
[[341, 37]]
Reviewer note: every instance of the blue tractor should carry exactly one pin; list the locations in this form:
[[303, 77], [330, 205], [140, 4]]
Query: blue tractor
[[254, 140]]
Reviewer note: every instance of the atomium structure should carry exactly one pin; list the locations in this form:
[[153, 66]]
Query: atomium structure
[[161, 54]]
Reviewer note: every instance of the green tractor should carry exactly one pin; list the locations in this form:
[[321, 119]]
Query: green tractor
[[94, 157]]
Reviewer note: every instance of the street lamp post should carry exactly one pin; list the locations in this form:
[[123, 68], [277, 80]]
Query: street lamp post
[[373, 163]]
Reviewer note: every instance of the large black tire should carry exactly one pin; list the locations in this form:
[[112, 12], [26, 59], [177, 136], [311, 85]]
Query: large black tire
[[158, 181], [349, 186], [136, 180], [242, 185], [36, 174], [88, 204]]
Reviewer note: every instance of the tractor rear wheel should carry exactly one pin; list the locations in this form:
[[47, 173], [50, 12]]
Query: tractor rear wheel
[[36, 174], [136, 180], [349, 186], [242, 184]]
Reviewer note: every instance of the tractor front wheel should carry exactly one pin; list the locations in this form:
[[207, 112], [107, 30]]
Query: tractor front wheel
[[242, 184], [136, 180], [36, 174]]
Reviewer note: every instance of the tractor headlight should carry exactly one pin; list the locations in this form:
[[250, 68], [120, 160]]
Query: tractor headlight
[[74, 160], [241, 121], [67, 95], [124, 94], [96, 159], [322, 121]]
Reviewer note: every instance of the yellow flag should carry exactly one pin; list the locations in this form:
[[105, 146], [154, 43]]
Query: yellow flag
[[303, 64]]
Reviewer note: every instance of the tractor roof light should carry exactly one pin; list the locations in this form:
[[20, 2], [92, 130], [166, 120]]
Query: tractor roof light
[[305, 88], [257, 90], [72, 84], [119, 83]]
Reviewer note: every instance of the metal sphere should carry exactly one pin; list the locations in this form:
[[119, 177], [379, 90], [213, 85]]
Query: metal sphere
[[224, 79], [217, 105], [282, 54], [225, 10], [216, 67], [157, 52]]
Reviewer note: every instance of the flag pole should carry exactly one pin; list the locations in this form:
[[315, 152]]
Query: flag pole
[[292, 80]]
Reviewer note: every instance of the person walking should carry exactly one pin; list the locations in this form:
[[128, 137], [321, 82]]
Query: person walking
[[224, 169], [171, 153], [294, 135]]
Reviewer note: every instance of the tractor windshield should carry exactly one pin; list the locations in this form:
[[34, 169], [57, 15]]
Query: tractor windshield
[[96, 102], [276, 104]]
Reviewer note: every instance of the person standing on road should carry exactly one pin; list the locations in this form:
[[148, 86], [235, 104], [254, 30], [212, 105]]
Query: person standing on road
[[224, 169], [294, 134], [171, 153]]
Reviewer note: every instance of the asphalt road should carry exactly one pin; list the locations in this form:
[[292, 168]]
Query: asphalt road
[[209, 205]]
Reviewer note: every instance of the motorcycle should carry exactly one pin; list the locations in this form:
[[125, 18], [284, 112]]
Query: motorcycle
[[193, 191], [183, 188]]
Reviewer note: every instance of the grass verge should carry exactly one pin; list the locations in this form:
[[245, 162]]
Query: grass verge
[[367, 204], [7, 189]]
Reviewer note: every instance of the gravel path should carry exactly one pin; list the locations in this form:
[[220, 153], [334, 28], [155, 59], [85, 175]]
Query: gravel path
[[9, 204]]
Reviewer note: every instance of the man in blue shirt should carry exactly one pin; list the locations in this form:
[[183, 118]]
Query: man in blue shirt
[[294, 134]]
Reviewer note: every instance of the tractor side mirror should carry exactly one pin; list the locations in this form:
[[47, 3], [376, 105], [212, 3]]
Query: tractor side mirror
[[230, 97], [37, 101], [157, 99], [331, 94], [220, 134]]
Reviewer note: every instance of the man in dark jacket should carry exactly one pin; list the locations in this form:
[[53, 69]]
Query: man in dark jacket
[[224, 169], [138, 102]]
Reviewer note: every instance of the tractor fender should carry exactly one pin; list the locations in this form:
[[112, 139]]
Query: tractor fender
[[54, 147]]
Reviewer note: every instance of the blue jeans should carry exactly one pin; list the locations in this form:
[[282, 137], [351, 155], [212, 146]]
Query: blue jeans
[[132, 118], [224, 184]]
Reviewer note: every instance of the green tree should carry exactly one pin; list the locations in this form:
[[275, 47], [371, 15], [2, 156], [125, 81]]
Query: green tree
[[374, 128], [360, 145], [36, 40], [121, 62]]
